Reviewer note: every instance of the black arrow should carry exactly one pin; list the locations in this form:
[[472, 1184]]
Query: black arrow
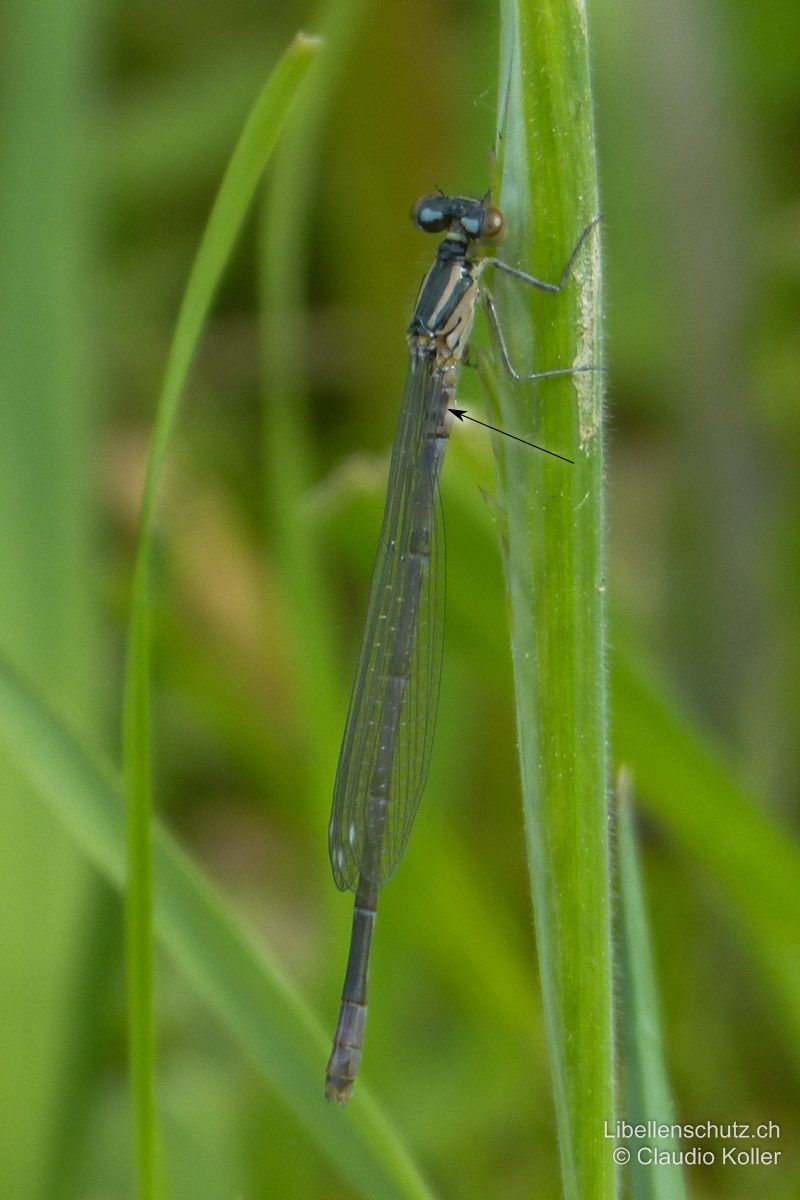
[[461, 413]]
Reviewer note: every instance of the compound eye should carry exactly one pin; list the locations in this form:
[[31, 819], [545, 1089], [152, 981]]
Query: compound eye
[[432, 213], [472, 223], [494, 225]]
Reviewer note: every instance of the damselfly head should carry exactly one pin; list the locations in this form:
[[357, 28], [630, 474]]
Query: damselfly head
[[470, 219]]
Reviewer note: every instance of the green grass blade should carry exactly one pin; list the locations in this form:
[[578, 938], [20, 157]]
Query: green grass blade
[[648, 1096], [688, 786], [288, 453], [51, 344], [233, 199], [239, 981], [554, 513]]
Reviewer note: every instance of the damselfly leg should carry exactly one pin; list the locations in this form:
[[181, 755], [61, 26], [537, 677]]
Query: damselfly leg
[[532, 280], [543, 286]]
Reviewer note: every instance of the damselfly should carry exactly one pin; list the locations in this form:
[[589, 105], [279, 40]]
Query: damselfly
[[388, 737]]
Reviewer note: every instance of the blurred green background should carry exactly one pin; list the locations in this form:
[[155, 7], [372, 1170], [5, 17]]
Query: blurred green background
[[117, 122]]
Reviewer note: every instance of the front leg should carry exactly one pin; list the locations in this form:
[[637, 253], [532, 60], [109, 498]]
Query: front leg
[[541, 284]]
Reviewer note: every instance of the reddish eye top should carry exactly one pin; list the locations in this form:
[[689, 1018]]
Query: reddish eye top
[[494, 225]]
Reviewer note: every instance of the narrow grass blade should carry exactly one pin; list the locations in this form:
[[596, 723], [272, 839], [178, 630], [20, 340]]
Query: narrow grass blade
[[688, 786], [288, 454], [236, 191], [238, 980], [647, 1092], [48, 599], [554, 514]]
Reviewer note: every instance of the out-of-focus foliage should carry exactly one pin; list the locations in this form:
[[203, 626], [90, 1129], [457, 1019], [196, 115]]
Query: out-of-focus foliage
[[117, 122]]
